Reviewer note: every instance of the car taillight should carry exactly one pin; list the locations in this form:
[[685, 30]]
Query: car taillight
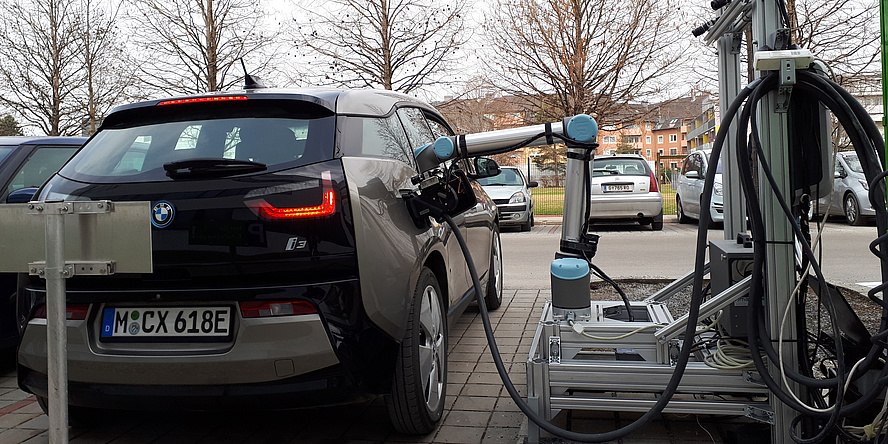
[[655, 187], [263, 309], [325, 208], [202, 100], [73, 312]]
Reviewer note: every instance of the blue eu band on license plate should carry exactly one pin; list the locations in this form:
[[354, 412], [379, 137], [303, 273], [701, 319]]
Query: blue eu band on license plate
[[166, 322]]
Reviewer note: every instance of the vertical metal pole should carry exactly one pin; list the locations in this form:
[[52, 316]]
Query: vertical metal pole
[[883, 11], [728, 89], [57, 354], [779, 253]]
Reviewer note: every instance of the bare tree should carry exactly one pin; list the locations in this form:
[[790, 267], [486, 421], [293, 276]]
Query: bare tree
[[109, 73], [39, 67], [191, 45], [580, 56], [842, 33], [401, 45]]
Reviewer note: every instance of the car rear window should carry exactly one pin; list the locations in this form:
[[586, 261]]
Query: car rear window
[[138, 153], [618, 165]]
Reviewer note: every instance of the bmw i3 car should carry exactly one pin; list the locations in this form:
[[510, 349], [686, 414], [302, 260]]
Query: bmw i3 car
[[288, 270]]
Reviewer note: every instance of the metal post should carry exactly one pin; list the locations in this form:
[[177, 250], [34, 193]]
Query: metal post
[[728, 89], [779, 253], [57, 338], [883, 11]]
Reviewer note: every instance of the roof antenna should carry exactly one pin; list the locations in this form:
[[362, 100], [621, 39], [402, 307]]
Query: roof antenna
[[250, 82]]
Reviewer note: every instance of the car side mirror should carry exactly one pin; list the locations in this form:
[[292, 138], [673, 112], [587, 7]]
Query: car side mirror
[[23, 195], [533, 184], [839, 175], [692, 175], [485, 167]]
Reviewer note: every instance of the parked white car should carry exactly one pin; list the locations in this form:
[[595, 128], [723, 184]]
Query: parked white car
[[624, 187], [689, 190], [510, 190]]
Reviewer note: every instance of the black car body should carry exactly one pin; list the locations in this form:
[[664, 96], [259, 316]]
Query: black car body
[[25, 164], [279, 225]]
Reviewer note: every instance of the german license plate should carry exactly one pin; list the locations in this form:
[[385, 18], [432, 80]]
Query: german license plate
[[617, 188], [166, 322]]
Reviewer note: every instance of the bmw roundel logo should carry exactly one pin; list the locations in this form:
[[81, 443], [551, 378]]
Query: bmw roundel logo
[[162, 214]]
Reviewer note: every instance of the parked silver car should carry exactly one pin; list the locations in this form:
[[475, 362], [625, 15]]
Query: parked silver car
[[510, 190], [689, 189], [850, 189], [624, 187]]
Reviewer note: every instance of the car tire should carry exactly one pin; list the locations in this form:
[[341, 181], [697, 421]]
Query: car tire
[[493, 297], [852, 210], [416, 402], [657, 223], [526, 226], [679, 211]]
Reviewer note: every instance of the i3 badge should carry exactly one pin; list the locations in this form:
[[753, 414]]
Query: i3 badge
[[162, 214]]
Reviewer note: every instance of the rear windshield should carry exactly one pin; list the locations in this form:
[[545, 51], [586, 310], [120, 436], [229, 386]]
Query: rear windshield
[[138, 153], [618, 165]]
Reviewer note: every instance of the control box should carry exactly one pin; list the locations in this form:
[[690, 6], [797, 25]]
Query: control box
[[730, 262]]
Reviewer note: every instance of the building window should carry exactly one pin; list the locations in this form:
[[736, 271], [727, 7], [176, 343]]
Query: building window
[[673, 165], [609, 139], [673, 137], [632, 139], [659, 139], [647, 140], [673, 151], [660, 152], [647, 153]]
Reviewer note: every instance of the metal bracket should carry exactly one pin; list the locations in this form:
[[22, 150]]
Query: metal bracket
[[760, 414], [554, 349], [86, 207], [83, 268], [736, 43], [753, 377], [787, 80]]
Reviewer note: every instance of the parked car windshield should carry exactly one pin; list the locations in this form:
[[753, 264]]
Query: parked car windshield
[[718, 167], [617, 165], [854, 163], [507, 176], [138, 153]]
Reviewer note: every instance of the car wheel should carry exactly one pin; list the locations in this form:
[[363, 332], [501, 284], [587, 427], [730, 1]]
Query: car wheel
[[682, 218], [657, 224], [416, 402], [852, 210], [526, 226], [494, 295]]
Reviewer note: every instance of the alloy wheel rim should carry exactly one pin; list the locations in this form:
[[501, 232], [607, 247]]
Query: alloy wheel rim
[[431, 348], [850, 210]]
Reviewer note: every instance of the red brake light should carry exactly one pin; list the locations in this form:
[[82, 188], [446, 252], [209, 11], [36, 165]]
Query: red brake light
[[262, 309], [326, 208], [202, 99], [655, 187], [73, 312]]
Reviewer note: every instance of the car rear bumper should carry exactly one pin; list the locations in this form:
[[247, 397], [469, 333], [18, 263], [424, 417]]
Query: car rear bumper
[[623, 206], [336, 350], [324, 387]]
